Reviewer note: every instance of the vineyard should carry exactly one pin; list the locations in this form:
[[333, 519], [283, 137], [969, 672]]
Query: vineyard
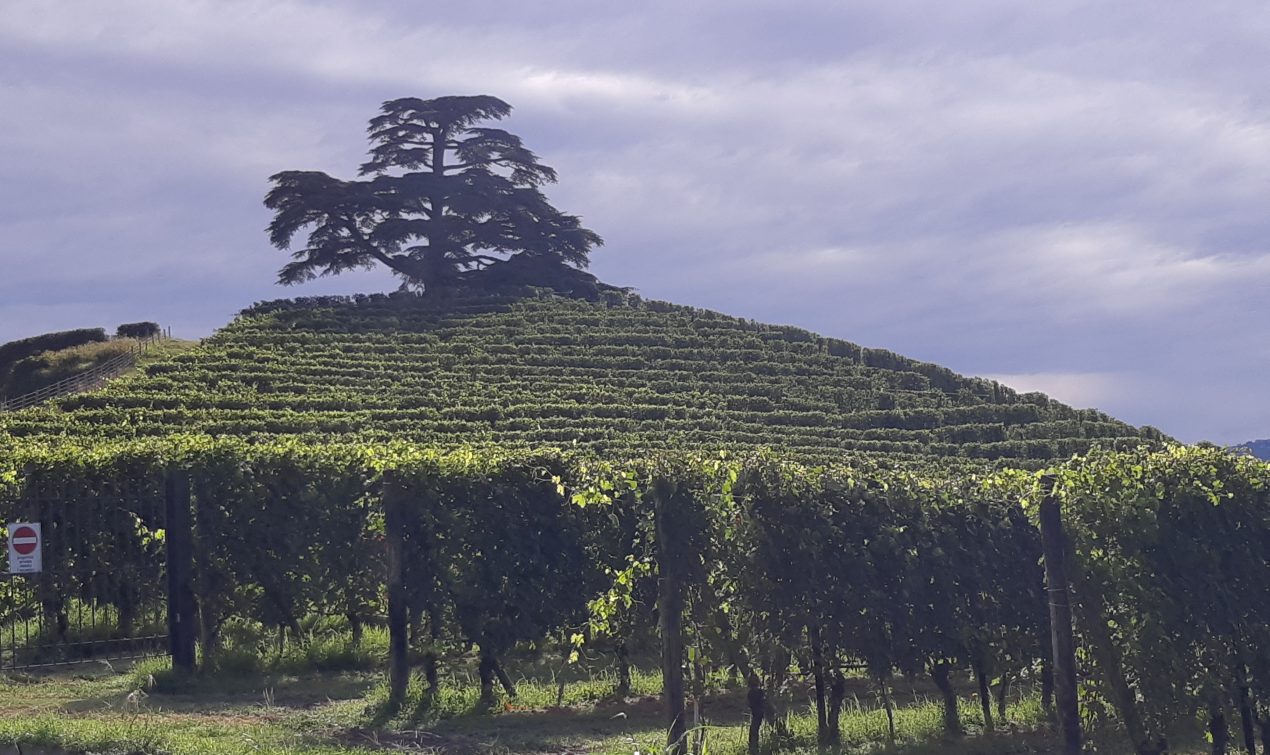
[[756, 564], [759, 508], [619, 377]]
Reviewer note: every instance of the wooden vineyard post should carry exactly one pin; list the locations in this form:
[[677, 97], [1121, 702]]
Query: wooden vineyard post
[[670, 605], [179, 540], [398, 629], [1062, 643]]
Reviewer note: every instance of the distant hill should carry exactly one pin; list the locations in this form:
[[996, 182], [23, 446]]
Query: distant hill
[[620, 375], [1259, 448]]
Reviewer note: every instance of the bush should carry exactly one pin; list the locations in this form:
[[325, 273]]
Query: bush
[[36, 372], [11, 352], [137, 330]]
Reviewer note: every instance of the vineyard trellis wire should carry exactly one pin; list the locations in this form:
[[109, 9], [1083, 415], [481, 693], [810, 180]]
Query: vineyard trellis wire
[[90, 379], [84, 381]]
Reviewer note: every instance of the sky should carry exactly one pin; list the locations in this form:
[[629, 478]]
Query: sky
[[1071, 197]]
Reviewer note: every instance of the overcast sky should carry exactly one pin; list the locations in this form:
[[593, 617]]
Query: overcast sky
[[1071, 197]]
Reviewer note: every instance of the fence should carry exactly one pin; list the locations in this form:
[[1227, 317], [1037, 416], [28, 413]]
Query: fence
[[115, 577], [85, 381]]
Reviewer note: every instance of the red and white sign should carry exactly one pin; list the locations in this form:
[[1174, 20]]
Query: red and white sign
[[25, 548]]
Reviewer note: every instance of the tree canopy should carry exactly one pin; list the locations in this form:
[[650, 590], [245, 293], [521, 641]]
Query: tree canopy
[[441, 201]]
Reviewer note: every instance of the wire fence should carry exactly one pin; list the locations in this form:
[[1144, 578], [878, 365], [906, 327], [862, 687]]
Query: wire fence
[[87, 380], [101, 591]]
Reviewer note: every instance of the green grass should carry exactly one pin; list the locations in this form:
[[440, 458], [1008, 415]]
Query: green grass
[[34, 373], [250, 653], [305, 712], [49, 367], [157, 733]]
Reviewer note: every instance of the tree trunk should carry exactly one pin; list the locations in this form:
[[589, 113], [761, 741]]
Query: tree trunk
[[818, 671], [486, 672], [757, 701], [837, 692], [1245, 711], [884, 685], [779, 668], [504, 679], [1218, 730], [939, 672], [775, 663], [355, 626], [985, 694], [623, 670], [1003, 697]]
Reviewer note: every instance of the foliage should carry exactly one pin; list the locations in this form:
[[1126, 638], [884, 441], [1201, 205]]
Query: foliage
[[137, 330], [12, 351], [1174, 585], [35, 372], [621, 378], [442, 195], [786, 569]]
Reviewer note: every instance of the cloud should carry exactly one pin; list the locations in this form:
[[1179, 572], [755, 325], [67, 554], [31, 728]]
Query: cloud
[[1069, 191], [1079, 389]]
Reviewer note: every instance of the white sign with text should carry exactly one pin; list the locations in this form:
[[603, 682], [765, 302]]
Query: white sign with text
[[26, 548]]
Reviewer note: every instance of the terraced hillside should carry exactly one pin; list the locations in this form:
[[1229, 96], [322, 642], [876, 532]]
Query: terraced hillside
[[618, 376]]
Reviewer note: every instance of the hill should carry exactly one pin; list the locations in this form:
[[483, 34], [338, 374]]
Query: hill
[[30, 364], [620, 375], [1258, 448], [22, 361]]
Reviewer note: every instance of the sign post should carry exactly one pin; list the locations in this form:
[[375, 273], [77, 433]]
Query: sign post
[[26, 548]]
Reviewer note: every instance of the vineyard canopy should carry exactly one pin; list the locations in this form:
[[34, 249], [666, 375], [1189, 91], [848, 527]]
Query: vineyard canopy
[[619, 376]]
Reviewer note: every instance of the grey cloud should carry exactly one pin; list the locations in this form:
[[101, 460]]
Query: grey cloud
[[1044, 190]]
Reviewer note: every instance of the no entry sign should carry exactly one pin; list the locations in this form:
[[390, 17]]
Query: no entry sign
[[25, 548]]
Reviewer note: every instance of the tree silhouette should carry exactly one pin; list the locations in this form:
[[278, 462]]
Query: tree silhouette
[[441, 202]]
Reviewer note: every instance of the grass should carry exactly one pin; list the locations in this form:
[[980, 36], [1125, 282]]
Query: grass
[[283, 710], [34, 373], [283, 707], [165, 349], [250, 653], [51, 366], [91, 628]]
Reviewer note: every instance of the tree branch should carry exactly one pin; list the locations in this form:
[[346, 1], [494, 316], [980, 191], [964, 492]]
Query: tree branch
[[393, 262]]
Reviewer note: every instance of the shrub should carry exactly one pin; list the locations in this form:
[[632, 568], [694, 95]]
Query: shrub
[[36, 372], [11, 352], [137, 330]]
